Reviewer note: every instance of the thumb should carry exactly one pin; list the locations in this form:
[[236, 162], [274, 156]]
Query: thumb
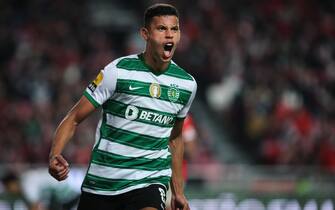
[[61, 160]]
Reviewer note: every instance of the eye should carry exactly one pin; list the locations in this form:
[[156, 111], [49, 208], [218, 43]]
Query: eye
[[175, 29], [161, 28]]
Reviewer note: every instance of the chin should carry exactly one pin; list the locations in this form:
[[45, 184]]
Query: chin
[[166, 60]]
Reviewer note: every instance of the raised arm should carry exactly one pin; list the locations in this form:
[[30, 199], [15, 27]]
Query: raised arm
[[58, 166]]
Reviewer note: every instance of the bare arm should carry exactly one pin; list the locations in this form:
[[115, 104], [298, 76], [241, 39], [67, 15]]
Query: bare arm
[[58, 166], [177, 151]]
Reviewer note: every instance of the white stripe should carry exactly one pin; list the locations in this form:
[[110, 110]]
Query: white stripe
[[116, 61], [150, 103], [138, 127], [116, 192], [151, 78], [128, 151], [121, 173], [97, 133]]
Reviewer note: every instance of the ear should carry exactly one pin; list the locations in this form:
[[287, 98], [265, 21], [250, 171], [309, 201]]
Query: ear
[[144, 33]]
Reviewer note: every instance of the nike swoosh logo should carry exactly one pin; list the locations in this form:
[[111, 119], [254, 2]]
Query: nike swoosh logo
[[134, 88]]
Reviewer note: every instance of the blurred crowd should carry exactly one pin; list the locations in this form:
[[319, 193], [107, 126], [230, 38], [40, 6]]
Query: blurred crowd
[[49, 52], [266, 68]]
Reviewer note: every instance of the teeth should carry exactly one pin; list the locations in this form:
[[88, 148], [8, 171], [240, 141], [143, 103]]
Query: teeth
[[168, 46]]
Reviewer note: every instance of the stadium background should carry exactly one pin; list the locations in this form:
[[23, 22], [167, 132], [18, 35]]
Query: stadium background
[[264, 112]]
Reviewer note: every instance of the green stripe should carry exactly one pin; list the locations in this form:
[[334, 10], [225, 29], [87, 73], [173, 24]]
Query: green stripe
[[119, 161], [91, 99], [133, 139], [132, 64], [104, 184], [136, 64], [123, 87], [176, 71], [154, 118], [148, 122], [96, 146], [111, 104]]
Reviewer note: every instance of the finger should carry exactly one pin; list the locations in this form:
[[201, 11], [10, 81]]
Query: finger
[[60, 159], [54, 176], [186, 207], [59, 174], [54, 172], [55, 165], [63, 177], [63, 172], [55, 168]]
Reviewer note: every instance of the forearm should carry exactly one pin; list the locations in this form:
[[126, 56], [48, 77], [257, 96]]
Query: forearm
[[63, 134], [67, 127], [177, 152]]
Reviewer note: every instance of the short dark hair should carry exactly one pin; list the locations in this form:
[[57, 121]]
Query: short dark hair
[[9, 177], [159, 10]]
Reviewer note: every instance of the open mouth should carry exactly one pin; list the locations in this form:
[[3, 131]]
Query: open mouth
[[168, 49], [168, 46]]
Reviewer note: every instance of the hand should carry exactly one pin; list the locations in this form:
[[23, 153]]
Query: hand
[[58, 167], [179, 202]]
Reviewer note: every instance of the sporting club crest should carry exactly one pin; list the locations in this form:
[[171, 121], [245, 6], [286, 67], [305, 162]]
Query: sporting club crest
[[173, 93]]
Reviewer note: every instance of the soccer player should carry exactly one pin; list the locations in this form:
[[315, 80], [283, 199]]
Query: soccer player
[[138, 148], [12, 197]]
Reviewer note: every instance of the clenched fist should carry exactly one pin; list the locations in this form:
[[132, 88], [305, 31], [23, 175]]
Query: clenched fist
[[179, 203], [58, 167]]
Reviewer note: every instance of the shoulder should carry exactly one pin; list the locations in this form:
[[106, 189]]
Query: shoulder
[[180, 73], [122, 62], [119, 65], [177, 71]]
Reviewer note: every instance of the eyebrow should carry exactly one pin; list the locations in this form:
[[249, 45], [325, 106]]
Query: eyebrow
[[162, 25]]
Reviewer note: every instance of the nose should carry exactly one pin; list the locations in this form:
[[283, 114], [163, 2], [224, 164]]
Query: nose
[[168, 33]]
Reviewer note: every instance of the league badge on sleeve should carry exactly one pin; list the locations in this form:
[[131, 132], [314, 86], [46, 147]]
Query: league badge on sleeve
[[94, 84]]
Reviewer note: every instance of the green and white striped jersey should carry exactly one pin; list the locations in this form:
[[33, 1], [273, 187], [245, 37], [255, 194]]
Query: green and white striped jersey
[[139, 109]]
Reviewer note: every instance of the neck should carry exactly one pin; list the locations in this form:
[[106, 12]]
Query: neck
[[156, 65]]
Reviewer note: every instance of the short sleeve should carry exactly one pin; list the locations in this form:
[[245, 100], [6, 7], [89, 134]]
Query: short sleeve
[[183, 112], [103, 87]]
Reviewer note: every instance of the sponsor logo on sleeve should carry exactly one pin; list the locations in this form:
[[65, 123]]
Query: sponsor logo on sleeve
[[94, 84]]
